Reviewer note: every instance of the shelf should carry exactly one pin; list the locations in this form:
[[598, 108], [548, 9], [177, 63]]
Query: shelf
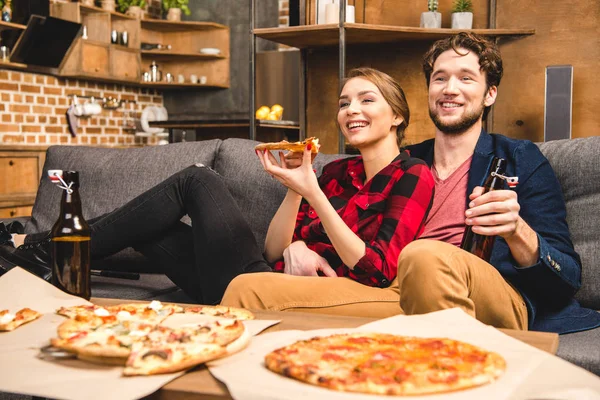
[[12, 65], [168, 26], [328, 35], [93, 9], [233, 123], [9, 25], [172, 54], [124, 48], [165, 85]]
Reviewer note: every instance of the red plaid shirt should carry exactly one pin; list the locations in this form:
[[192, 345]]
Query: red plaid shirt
[[388, 212]]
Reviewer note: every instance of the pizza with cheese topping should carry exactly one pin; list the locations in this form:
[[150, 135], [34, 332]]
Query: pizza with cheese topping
[[131, 335], [387, 364]]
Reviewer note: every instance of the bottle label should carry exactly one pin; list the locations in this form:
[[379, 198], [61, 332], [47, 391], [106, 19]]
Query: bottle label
[[71, 239]]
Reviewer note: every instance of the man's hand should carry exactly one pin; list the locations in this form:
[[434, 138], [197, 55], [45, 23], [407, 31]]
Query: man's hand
[[301, 261], [493, 213], [497, 213]]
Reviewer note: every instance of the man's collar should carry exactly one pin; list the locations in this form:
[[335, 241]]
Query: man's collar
[[485, 145]]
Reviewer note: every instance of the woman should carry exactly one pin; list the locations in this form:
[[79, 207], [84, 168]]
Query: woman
[[353, 221], [204, 258]]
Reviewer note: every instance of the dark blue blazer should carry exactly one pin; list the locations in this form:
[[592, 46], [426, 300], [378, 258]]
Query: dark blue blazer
[[548, 286]]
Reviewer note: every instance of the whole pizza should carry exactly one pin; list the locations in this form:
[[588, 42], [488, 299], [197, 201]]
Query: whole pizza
[[387, 364]]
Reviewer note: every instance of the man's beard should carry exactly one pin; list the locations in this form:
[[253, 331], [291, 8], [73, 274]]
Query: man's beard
[[460, 126]]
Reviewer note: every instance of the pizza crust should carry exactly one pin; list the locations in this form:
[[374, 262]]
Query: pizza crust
[[221, 311], [147, 361]]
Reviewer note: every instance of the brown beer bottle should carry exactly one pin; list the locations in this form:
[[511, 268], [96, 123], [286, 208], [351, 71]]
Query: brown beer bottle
[[71, 242], [482, 245]]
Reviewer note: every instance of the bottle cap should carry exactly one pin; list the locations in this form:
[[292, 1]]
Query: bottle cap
[[55, 175]]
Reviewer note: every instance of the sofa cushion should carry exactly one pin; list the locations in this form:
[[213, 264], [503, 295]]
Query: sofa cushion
[[256, 193], [581, 348], [575, 162], [110, 177]]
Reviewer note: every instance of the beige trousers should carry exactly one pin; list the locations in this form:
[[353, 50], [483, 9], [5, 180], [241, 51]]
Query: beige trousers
[[432, 275]]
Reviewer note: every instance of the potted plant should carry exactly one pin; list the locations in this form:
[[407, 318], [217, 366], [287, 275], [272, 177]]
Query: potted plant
[[431, 18], [174, 8], [462, 14], [131, 7]]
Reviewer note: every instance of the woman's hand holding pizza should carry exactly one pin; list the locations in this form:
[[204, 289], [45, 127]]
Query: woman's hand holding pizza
[[301, 179], [301, 261]]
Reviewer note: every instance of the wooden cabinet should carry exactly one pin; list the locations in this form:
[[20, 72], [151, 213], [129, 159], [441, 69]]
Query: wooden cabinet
[[97, 58], [20, 168]]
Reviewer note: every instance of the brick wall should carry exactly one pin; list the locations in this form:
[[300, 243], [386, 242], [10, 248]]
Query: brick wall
[[33, 107], [284, 13]]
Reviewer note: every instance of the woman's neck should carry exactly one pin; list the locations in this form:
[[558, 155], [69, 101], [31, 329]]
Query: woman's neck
[[377, 157]]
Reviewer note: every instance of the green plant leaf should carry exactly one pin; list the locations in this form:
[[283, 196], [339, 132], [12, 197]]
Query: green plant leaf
[[182, 4], [462, 6], [123, 5]]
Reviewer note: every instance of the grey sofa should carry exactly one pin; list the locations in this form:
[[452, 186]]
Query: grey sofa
[[110, 177]]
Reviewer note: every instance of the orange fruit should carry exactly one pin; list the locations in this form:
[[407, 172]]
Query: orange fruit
[[263, 112]]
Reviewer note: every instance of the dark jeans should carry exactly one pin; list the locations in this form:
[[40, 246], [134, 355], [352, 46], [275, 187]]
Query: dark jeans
[[201, 259]]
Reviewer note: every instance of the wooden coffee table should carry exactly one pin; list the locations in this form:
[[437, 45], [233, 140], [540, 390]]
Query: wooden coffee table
[[199, 383]]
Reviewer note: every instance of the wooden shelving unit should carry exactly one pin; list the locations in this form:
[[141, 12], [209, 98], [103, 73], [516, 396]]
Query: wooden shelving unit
[[97, 58], [184, 58], [311, 36], [376, 45]]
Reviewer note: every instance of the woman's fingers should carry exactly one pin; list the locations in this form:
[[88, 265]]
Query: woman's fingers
[[282, 160], [327, 270], [307, 156]]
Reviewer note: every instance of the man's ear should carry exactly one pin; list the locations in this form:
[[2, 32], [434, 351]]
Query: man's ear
[[490, 96]]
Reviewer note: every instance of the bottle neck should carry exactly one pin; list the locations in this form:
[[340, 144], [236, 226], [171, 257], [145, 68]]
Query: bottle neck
[[70, 204], [493, 181]]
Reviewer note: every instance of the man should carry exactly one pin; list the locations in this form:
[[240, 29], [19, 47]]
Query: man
[[534, 270]]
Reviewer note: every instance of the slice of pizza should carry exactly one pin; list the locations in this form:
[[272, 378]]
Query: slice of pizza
[[297, 147], [220, 311], [79, 310], [153, 312], [169, 357], [9, 322], [108, 342], [167, 350]]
